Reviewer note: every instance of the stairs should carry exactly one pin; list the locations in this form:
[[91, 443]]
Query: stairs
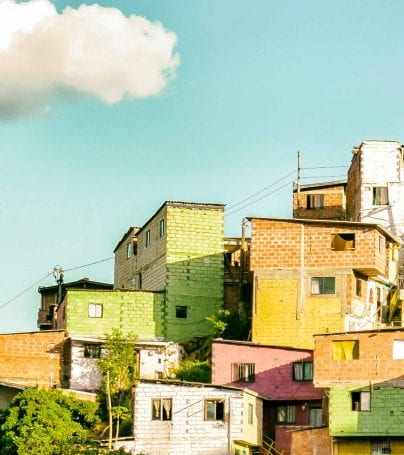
[[267, 448]]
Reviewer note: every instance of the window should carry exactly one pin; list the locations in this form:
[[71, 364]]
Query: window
[[128, 250], [342, 242], [380, 195], [380, 447], [315, 201], [181, 312], [92, 351], [360, 401], [95, 310], [345, 350], [250, 414], [398, 350], [315, 417], [148, 238], [382, 244], [286, 414], [214, 409], [161, 409], [162, 228], [303, 371], [243, 372], [360, 287], [323, 285]]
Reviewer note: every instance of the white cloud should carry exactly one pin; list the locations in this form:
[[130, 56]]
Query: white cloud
[[93, 50]]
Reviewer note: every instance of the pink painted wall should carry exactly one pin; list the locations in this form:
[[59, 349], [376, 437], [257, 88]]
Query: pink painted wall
[[273, 369]]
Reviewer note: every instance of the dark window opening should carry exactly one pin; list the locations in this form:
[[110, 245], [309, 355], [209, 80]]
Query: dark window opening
[[181, 312], [92, 351], [286, 414], [360, 401]]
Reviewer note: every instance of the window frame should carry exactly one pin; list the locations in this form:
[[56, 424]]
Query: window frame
[[358, 401], [92, 351], [343, 241], [162, 415], [95, 310], [162, 228], [318, 416], [243, 372], [218, 412], [148, 238], [250, 414], [315, 201], [304, 376], [321, 285], [353, 352], [380, 195], [289, 414]]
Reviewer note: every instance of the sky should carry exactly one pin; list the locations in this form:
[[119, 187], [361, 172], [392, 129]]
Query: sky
[[108, 110]]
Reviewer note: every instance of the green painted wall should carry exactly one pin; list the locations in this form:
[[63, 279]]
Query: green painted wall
[[194, 274], [130, 311], [386, 417]]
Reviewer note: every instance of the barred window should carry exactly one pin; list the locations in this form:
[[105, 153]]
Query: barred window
[[92, 351], [243, 372]]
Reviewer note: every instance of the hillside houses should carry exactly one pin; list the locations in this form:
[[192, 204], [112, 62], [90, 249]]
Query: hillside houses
[[324, 360]]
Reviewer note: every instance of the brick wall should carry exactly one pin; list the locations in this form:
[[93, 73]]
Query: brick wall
[[188, 432], [32, 358], [277, 244], [140, 312], [311, 441], [375, 361], [334, 203], [126, 261]]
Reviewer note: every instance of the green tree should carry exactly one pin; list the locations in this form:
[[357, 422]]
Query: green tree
[[45, 422], [118, 369], [194, 371]]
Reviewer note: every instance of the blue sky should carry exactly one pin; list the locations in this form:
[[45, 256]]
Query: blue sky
[[256, 81]]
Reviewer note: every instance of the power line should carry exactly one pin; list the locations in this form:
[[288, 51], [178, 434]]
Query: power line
[[230, 207], [323, 176], [24, 291], [259, 199], [46, 276], [324, 167]]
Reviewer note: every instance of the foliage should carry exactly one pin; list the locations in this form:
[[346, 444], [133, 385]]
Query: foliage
[[194, 371], [230, 324], [120, 363], [45, 422]]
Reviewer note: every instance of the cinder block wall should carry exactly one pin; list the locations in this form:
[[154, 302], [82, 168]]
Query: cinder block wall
[[140, 312], [194, 268], [32, 358]]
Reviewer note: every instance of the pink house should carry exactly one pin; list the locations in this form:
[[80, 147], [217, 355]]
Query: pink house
[[282, 375]]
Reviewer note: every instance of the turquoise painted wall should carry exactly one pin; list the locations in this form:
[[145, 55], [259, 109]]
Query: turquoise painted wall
[[385, 418], [194, 274], [130, 311]]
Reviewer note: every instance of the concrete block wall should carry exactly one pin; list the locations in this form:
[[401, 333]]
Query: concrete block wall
[[125, 264], [282, 317], [32, 358], [194, 268], [384, 418], [375, 361], [140, 312], [187, 432]]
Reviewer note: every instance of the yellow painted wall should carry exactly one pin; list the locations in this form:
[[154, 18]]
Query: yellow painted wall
[[252, 433], [363, 447], [279, 320]]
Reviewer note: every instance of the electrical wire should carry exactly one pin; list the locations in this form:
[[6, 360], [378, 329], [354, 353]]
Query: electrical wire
[[259, 199], [230, 207], [323, 167], [49, 274], [323, 176]]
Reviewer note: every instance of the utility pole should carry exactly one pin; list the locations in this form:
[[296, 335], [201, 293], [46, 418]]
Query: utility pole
[[298, 185], [58, 274]]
